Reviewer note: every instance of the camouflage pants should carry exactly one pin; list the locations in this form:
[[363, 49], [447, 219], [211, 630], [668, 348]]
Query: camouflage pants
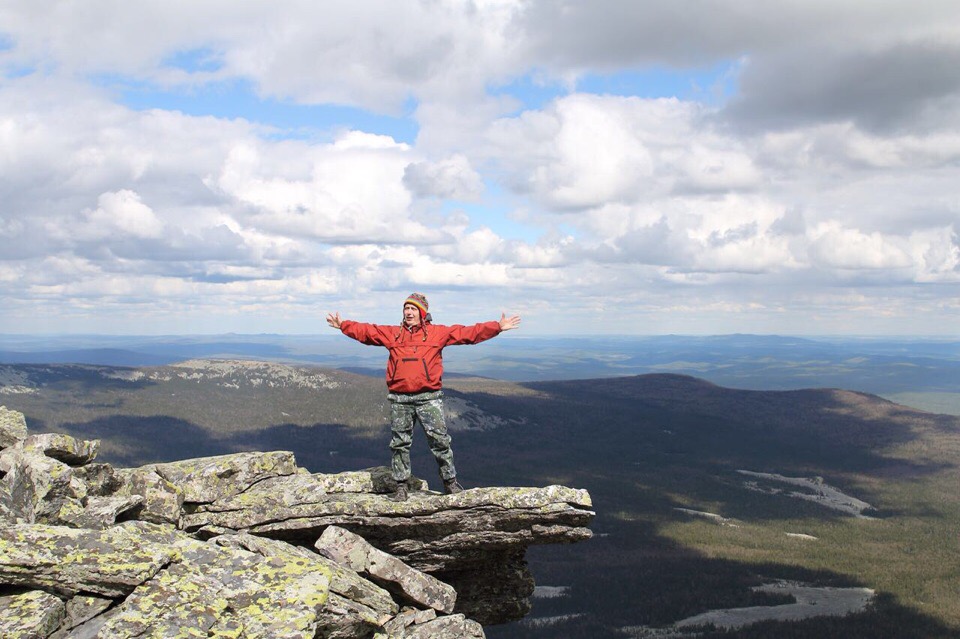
[[405, 411]]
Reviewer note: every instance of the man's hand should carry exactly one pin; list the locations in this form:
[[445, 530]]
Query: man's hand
[[334, 320], [508, 323]]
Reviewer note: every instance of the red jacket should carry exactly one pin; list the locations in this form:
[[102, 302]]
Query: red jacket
[[415, 364]]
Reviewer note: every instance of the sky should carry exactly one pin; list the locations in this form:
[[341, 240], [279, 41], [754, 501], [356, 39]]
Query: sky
[[603, 167]]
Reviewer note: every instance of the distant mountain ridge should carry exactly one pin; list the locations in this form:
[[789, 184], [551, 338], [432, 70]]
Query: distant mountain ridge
[[771, 362]]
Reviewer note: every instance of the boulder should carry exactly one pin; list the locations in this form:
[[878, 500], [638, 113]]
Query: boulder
[[101, 512], [29, 614], [353, 551], [408, 617], [161, 500], [452, 627], [208, 479], [343, 580], [64, 448], [215, 591], [36, 488], [79, 611], [68, 561], [13, 427], [101, 479]]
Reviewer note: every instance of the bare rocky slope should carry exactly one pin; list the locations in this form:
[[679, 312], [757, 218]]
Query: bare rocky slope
[[251, 545]]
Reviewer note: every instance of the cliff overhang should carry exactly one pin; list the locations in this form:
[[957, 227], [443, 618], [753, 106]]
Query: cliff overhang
[[251, 545]]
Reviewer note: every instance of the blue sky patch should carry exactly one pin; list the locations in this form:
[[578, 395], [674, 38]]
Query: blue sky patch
[[496, 213], [203, 60], [237, 98]]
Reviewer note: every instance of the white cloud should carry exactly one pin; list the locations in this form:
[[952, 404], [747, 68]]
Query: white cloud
[[123, 212], [349, 191], [837, 247], [450, 178], [587, 151], [832, 164]]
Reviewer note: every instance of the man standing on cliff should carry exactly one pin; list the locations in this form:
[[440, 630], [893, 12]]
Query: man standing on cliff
[[415, 379]]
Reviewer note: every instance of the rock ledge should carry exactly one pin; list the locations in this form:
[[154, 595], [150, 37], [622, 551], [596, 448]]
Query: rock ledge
[[250, 545]]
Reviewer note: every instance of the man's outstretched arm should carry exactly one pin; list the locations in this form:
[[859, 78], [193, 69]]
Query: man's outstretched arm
[[371, 334], [480, 332]]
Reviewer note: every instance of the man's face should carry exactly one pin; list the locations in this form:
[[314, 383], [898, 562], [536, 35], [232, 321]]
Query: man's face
[[411, 315]]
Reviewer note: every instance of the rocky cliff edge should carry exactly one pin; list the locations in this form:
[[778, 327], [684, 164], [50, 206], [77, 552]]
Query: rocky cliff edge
[[252, 546]]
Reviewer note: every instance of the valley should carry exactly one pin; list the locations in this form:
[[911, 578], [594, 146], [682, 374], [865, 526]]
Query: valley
[[655, 451]]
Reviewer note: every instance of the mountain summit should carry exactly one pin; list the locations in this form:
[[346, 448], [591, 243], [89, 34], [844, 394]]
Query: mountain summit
[[251, 545]]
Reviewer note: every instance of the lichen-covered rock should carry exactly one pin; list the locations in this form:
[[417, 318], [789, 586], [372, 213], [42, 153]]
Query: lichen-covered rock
[[100, 512], [231, 557], [102, 480], [39, 489], [161, 500], [33, 614], [216, 591], [343, 580], [7, 516], [89, 629], [81, 609], [208, 479], [408, 617], [67, 561], [452, 627], [13, 427], [281, 494], [270, 506], [376, 480], [352, 551], [64, 448], [466, 540]]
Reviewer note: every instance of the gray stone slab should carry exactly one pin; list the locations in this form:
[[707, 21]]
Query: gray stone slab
[[33, 614], [110, 562], [356, 553], [207, 479], [13, 427], [69, 450]]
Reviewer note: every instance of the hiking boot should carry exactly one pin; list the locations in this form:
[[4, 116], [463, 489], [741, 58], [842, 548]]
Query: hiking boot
[[452, 486], [401, 493]]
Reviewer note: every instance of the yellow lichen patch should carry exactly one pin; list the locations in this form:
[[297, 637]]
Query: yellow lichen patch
[[68, 560], [30, 614], [228, 592]]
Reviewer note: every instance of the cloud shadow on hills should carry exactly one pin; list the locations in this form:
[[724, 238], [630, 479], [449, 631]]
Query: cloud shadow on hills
[[667, 421], [647, 445]]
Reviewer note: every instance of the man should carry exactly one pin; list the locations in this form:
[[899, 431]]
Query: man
[[415, 380]]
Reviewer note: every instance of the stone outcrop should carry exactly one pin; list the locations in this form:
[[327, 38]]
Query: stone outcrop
[[353, 552], [13, 427], [250, 545]]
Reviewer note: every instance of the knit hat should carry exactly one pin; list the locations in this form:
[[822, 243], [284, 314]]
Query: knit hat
[[420, 301]]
